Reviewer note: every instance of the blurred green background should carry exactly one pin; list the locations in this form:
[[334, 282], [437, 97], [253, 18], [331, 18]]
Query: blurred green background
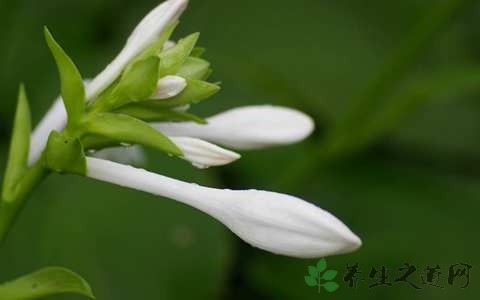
[[394, 87]]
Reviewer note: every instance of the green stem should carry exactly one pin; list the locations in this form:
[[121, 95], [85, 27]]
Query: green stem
[[9, 208]]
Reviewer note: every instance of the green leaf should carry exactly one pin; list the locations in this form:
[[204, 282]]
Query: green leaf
[[329, 275], [198, 52], [43, 283], [313, 271], [145, 113], [65, 154], [207, 74], [194, 68], [123, 128], [172, 59], [97, 142], [195, 92], [331, 286], [137, 83], [311, 281], [19, 145], [72, 88], [321, 265]]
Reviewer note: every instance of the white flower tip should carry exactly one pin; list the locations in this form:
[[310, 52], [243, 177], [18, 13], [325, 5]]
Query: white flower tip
[[340, 240], [353, 243], [266, 125], [347, 242], [155, 21], [153, 24], [334, 238], [169, 86], [285, 225], [179, 5], [203, 154]]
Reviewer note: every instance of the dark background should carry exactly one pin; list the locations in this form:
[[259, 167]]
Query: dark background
[[405, 177]]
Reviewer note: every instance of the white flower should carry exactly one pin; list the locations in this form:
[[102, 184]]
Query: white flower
[[275, 222], [203, 154], [248, 127], [169, 86], [146, 33]]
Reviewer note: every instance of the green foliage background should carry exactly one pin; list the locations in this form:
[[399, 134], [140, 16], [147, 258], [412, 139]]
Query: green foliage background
[[412, 194]]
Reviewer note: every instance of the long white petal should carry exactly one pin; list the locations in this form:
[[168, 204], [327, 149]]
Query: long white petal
[[203, 154], [248, 127], [142, 36], [275, 222], [146, 32]]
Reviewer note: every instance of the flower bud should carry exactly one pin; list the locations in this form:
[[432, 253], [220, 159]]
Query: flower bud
[[275, 222], [169, 86], [248, 127]]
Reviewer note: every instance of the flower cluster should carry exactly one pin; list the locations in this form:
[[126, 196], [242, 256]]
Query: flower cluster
[[143, 98]]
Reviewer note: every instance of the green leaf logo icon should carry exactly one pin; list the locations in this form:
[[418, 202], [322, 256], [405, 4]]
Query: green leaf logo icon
[[313, 271], [316, 278], [321, 265]]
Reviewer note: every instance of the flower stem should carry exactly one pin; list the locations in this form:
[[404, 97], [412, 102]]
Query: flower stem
[[10, 207]]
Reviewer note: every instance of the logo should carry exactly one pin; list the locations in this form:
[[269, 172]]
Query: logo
[[320, 280], [432, 276]]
